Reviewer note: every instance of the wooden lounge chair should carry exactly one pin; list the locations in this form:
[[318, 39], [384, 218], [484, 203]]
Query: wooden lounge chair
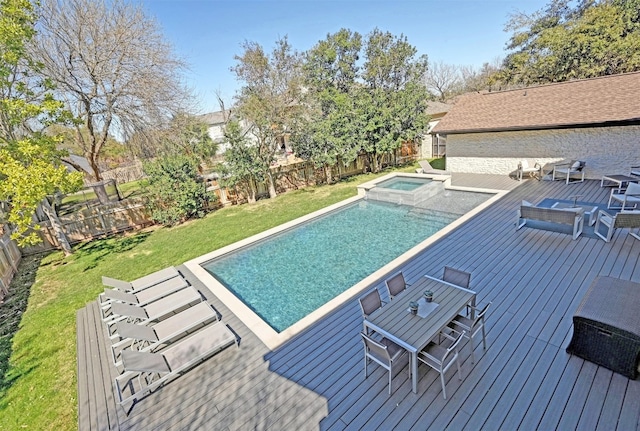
[[146, 371], [426, 168], [627, 199], [623, 220], [143, 282], [148, 337]]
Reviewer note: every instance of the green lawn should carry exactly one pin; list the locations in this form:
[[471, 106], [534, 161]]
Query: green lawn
[[39, 389]]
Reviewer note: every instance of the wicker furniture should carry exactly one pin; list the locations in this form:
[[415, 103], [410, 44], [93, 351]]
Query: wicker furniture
[[622, 220], [606, 326], [570, 216]]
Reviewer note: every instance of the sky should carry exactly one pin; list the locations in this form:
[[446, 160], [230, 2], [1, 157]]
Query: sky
[[207, 34]]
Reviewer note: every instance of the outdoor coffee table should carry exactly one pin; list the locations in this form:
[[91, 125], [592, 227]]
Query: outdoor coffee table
[[619, 180], [590, 211], [413, 332]]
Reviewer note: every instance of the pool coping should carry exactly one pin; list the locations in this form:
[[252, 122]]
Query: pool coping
[[271, 338]]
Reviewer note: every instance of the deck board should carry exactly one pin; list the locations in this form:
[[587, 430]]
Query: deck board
[[523, 380]]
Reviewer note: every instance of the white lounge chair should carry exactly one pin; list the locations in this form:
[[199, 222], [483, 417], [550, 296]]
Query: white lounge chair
[[143, 282], [141, 297], [146, 371], [426, 168], [148, 337], [156, 310]]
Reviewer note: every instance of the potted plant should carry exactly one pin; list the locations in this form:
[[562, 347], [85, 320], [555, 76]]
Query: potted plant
[[413, 306], [428, 295]]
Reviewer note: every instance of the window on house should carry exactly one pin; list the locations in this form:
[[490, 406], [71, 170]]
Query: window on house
[[439, 145]]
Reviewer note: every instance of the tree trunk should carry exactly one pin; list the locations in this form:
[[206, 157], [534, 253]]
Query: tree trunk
[[327, 173], [57, 227], [251, 189], [101, 192], [272, 186]]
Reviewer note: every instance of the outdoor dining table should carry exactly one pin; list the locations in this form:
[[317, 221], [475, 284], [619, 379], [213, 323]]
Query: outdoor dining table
[[413, 332]]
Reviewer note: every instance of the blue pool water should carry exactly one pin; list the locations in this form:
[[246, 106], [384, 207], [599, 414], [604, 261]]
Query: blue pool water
[[286, 277], [404, 184]]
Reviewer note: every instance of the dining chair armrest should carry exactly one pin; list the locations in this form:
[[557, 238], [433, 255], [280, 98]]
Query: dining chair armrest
[[450, 334], [472, 308]]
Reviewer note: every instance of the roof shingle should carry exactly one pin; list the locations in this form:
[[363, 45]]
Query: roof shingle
[[597, 101]]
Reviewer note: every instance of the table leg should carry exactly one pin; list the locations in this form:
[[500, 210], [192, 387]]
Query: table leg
[[414, 371]]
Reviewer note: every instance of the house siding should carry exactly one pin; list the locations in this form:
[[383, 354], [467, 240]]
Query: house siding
[[606, 150]]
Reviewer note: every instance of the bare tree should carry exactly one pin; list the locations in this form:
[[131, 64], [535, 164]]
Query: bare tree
[[112, 67], [269, 99], [484, 78], [442, 80]]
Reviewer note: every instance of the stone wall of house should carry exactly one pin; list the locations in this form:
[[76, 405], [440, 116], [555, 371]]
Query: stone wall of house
[[606, 150]]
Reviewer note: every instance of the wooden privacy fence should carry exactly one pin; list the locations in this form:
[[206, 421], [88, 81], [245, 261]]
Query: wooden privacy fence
[[9, 259], [96, 221]]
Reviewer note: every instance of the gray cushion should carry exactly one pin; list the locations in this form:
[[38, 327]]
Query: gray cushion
[[144, 361]]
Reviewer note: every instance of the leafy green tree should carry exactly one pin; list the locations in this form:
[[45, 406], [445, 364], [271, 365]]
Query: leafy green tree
[[175, 192], [187, 135], [394, 98], [242, 166], [30, 167], [560, 42], [372, 109], [329, 132], [269, 99]]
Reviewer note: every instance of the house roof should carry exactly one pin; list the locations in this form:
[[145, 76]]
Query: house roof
[[606, 100], [213, 118], [435, 108]]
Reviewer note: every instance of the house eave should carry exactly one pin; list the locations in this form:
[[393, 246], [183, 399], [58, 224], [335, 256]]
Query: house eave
[[617, 123]]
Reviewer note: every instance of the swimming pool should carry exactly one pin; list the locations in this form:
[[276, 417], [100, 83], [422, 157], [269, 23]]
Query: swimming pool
[[286, 277], [455, 202]]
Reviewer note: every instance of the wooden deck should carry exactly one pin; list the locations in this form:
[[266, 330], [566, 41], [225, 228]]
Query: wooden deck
[[524, 380]]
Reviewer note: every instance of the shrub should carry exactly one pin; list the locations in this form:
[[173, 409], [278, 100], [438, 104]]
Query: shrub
[[174, 191]]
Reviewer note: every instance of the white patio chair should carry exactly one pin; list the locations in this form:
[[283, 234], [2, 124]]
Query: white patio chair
[[629, 198], [624, 219], [567, 171], [385, 353], [441, 358], [534, 171]]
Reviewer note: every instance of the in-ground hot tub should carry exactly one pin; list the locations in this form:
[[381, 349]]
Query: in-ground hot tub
[[404, 189]]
